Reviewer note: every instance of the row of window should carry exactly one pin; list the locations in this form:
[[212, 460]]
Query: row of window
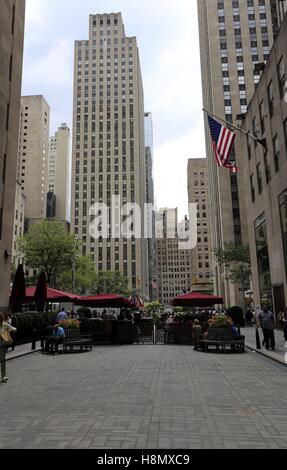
[[267, 165]]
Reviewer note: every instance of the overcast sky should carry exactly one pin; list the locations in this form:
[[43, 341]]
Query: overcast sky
[[167, 35]]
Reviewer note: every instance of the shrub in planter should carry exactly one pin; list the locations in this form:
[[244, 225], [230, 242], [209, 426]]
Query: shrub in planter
[[85, 312], [70, 324], [29, 321], [236, 313], [220, 321]]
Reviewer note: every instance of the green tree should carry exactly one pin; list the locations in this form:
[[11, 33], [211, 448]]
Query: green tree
[[108, 282], [154, 310], [82, 280], [48, 247], [239, 258]]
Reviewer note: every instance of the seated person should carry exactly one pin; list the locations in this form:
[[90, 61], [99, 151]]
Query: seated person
[[197, 332], [104, 315], [46, 333], [196, 329], [52, 342], [234, 331], [235, 334]]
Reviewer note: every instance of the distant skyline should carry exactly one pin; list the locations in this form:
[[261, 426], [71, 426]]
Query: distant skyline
[[167, 35]]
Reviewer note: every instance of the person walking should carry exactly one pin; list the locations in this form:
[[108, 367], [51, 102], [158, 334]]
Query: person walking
[[248, 317], [61, 315], [266, 322], [5, 330], [284, 322]]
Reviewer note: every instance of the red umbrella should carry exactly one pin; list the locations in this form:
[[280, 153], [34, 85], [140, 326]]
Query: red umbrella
[[104, 300], [40, 295], [18, 290], [197, 299], [53, 295]]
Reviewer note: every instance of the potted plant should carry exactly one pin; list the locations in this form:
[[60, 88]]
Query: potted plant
[[70, 324], [221, 321]]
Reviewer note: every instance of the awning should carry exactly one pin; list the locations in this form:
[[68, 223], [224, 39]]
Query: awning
[[53, 295], [196, 299], [104, 300]]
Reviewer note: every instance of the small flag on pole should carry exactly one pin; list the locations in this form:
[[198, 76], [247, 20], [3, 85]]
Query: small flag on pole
[[154, 284], [222, 140]]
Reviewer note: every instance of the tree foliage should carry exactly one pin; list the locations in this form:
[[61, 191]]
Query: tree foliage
[[109, 282], [239, 258], [154, 310], [87, 281], [84, 277], [48, 247]]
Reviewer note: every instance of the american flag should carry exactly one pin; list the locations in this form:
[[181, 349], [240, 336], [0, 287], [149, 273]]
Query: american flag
[[154, 284], [136, 301], [222, 140]]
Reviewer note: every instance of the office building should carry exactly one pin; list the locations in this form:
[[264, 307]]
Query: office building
[[202, 259], [150, 200], [235, 41], [12, 18], [33, 155], [59, 174], [173, 264], [265, 172], [108, 156]]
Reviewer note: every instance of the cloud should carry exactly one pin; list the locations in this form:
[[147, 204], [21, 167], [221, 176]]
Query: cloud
[[37, 14], [170, 168], [52, 75], [167, 35]]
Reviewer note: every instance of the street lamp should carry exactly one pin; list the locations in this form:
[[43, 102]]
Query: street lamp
[[74, 266]]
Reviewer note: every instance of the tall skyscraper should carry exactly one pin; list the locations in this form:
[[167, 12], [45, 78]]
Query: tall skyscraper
[[33, 158], [201, 255], [173, 264], [150, 200], [12, 18], [59, 172], [109, 144], [235, 39]]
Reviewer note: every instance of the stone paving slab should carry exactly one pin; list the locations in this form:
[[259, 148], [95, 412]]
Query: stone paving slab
[[280, 353], [22, 350], [143, 396]]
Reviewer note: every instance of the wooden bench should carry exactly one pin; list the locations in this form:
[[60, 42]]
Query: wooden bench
[[220, 338], [73, 338]]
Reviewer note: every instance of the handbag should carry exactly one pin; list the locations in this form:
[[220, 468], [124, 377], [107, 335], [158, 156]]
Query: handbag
[[6, 337]]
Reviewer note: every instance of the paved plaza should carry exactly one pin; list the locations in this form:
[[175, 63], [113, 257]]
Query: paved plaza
[[144, 396]]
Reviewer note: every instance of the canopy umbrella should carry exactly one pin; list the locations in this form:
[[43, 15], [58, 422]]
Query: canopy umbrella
[[40, 295], [197, 299], [53, 295], [18, 290], [104, 300]]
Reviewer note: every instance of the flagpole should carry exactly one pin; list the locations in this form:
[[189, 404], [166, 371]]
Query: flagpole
[[235, 127]]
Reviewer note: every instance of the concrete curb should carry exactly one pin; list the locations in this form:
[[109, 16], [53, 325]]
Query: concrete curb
[[274, 357], [27, 353]]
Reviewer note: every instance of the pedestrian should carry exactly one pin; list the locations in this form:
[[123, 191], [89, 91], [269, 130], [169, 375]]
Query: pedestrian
[[61, 315], [5, 330], [284, 321], [266, 321], [248, 317], [8, 320]]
